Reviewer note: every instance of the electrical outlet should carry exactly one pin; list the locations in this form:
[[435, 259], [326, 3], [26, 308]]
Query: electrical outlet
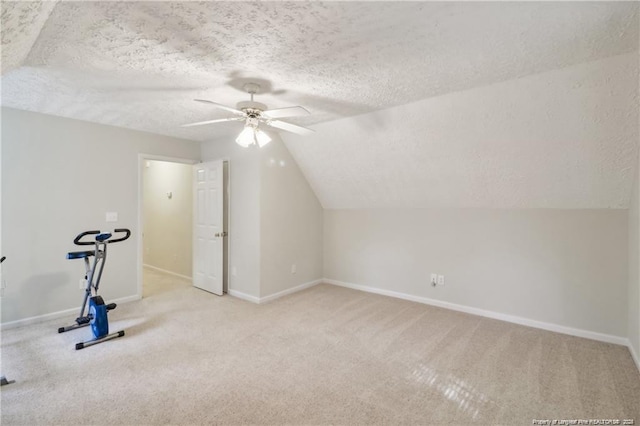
[[293, 268], [440, 279], [234, 271], [83, 284], [434, 279]]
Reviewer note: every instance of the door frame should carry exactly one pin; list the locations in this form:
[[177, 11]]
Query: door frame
[[142, 159]]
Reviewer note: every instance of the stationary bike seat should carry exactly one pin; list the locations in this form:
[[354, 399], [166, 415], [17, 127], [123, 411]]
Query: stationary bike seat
[[80, 254]]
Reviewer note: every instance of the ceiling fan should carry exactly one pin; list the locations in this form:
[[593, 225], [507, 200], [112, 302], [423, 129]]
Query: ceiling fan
[[255, 113]]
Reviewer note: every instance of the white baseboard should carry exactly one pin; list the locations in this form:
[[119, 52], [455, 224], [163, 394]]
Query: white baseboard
[[295, 289], [608, 338], [55, 315], [273, 296], [634, 355], [165, 271], [243, 296]]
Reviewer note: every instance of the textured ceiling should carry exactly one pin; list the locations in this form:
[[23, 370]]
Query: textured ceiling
[[140, 64], [561, 139], [21, 25]]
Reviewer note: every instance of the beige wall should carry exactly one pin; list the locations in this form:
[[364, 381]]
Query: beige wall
[[290, 223], [168, 221], [59, 178], [564, 267]]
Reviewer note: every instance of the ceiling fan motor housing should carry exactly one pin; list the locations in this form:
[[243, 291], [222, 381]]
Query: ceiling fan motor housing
[[252, 121], [250, 106]]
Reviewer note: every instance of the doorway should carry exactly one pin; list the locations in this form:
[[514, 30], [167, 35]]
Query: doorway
[[167, 217], [166, 222]]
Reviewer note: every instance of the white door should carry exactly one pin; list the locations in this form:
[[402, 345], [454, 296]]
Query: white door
[[208, 207]]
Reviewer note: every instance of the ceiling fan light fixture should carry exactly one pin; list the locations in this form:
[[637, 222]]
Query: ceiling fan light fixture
[[246, 138], [252, 136], [262, 138]]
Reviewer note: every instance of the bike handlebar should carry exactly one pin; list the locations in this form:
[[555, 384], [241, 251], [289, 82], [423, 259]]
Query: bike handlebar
[[77, 241], [117, 240]]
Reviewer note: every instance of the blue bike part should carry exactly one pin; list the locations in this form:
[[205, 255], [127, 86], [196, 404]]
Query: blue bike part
[[103, 237], [98, 315], [79, 254]]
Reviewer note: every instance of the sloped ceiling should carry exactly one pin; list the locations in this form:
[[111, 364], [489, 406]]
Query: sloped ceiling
[[561, 139], [21, 26], [140, 64]]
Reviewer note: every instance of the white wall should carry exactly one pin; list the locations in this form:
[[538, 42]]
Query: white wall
[[290, 223], [275, 219], [59, 177], [634, 269], [168, 221], [565, 267], [244, 225]]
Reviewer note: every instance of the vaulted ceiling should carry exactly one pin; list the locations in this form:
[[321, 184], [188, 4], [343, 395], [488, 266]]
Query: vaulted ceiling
[[140, 64]]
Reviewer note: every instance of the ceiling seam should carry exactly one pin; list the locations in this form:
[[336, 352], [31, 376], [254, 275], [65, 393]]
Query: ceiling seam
[[44, 24]]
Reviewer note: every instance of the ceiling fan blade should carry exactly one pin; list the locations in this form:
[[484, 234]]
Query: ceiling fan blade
[[295, 111], [224, 107], [221, 120], [293, 128]]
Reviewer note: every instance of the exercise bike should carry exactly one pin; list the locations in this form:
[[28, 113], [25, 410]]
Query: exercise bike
[[93, 304]]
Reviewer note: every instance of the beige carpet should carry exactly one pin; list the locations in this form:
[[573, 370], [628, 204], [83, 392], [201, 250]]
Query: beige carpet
[[327, 355]]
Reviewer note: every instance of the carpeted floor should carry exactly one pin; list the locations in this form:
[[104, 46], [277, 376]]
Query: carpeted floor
[[327, 355]]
